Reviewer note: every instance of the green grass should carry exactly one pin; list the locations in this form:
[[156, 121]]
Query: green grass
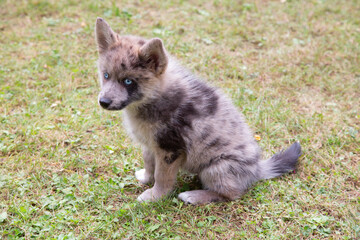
[[67, 167]]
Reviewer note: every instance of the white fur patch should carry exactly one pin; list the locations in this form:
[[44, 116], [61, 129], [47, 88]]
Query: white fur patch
[[142, 176], [188, 197], [151, 195], [146, 196], [200, 197]]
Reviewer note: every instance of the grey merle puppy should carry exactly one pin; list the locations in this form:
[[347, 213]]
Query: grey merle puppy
[[180, 122]]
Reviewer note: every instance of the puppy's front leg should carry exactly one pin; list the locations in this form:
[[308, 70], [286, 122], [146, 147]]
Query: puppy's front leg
[[166, 168], [146, 175]]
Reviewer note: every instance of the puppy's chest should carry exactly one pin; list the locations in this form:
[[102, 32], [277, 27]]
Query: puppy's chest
[[141, 131]]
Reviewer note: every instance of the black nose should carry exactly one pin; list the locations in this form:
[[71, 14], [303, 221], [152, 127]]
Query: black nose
[[105, 102]]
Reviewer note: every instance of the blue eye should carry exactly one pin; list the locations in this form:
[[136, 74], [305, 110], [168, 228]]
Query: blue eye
[[106, 75], [128, 81]]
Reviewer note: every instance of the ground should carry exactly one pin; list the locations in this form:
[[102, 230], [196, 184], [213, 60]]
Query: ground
[[67, 166]]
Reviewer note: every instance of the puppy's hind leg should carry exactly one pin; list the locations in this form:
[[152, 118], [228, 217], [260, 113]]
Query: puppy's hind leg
[[201, 197], [226, 179]]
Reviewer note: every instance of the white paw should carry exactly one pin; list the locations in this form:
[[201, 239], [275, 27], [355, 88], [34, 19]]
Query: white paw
[[200, 197], [148, 195], [143, 176], [152, 195], [188, 197]]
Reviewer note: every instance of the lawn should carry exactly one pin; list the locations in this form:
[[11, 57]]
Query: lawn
[[67, 166]]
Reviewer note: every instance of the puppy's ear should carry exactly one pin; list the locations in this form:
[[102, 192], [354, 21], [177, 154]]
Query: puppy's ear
[[153, 54], [105, 36]]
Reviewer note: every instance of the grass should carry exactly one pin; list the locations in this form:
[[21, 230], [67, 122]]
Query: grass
[[67, 167]]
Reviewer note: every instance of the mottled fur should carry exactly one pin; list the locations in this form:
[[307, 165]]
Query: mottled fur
[[180, 122]]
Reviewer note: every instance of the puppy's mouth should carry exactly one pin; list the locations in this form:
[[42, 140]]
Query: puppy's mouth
[[116, 107]]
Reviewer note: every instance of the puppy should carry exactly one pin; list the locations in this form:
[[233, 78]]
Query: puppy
[[180, 122]]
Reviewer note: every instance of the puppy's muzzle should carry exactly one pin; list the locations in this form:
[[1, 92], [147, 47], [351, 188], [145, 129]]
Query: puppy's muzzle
[[105, 102]]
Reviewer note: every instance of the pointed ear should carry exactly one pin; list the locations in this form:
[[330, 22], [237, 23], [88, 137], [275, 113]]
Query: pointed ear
[[153, 54], [105, 36]]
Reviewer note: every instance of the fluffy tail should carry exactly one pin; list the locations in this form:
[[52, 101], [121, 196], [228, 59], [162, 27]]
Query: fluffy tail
[[282, 162]]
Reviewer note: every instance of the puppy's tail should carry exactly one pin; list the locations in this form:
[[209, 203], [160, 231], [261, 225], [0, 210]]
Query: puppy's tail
[[282, 162]]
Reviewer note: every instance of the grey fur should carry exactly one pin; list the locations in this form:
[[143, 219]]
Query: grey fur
[[282, 162], [181, 122]]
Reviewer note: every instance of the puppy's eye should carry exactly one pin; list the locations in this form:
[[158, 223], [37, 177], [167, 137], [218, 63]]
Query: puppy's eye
[[106, 75], [128, 81]]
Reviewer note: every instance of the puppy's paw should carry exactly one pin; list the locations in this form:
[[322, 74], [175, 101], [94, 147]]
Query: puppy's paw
[[200, 197], [143, 176], [150, 195], [188, 197]]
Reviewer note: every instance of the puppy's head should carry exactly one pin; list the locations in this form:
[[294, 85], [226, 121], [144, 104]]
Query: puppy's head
[[130, 68]]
